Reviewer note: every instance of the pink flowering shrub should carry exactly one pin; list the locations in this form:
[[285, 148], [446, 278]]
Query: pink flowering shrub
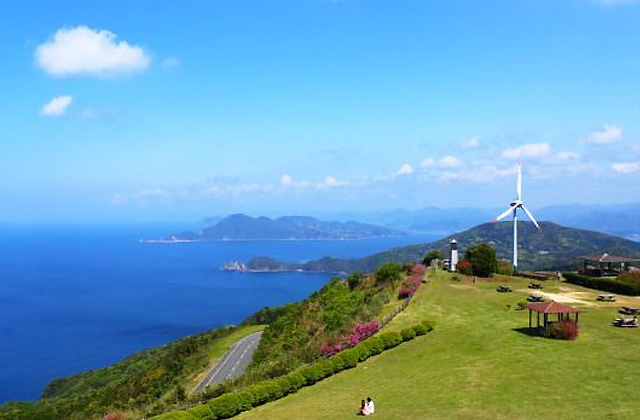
[[412, 282], [330, 349], [362, 331], [357, 334]]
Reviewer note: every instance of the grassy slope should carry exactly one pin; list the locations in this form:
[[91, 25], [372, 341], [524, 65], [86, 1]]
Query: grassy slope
[[476, 365]]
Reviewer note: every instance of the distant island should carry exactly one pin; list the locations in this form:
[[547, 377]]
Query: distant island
[[553, 248], [240, 227]]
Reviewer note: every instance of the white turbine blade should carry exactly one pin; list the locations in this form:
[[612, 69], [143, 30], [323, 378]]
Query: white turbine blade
[[519, 188], [530, 217], [506, 213]]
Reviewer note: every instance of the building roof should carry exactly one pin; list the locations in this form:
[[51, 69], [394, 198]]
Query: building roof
[[552, 307], [606, 258]]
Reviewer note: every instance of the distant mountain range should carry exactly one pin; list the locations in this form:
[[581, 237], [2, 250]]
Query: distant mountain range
[[243, 227], [553, 248], [616, 219]]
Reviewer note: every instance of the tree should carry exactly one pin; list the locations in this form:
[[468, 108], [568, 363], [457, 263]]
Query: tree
[[483, 259], [431, 255], [389, 273]]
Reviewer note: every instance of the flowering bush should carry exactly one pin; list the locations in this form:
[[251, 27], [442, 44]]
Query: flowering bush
[[411, 284], [362, 331], [331, 349], [404, 292], [564, 330], [357, 334], [464, 267]]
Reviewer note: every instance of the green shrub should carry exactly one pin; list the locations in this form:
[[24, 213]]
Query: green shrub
[[247, 400], [423, 328], [389, 273], [201, 412], [311, 374], [390, 339], [349, 358], [363, 351], [259, 392], [375, 345], [408, 334], [295, 380], [227, 405], [623, 285]]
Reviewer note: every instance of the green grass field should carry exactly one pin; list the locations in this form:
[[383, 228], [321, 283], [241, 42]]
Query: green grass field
[[480, 364]]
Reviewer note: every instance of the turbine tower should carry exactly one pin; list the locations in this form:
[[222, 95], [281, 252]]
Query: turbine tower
[[514, 206]]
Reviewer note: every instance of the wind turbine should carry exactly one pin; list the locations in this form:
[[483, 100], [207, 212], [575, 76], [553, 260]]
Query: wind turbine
[[514, 206]]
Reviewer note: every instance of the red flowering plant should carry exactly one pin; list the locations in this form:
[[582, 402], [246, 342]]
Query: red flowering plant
[[464, 267]]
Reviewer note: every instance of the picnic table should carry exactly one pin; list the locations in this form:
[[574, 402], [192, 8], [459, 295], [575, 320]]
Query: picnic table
[[535, 286], [628, 310], [625, 322], [534, 298], [606, 298], [504, 289]]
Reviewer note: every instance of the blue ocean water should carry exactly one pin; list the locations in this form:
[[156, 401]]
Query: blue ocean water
[[78, 298]]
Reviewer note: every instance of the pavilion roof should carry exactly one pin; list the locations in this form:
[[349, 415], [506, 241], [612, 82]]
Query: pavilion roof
[[606, 258], [552, 307]]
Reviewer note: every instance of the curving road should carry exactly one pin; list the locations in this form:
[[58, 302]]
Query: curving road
[[233, 363]]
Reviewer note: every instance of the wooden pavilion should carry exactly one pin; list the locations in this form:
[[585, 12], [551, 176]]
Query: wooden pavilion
[[546, 308], [603, 265]]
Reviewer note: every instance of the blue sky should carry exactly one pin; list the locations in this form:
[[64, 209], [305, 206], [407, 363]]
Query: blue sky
[[132, 111]]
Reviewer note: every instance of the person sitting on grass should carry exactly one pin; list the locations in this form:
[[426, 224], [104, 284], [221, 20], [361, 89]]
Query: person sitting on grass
[[364, 410], [371, 408]]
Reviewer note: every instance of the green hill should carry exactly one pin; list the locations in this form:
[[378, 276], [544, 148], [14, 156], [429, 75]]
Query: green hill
[[243, 227], [552, 248]]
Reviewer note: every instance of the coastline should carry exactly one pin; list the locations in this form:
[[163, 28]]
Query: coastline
[[318, 239]]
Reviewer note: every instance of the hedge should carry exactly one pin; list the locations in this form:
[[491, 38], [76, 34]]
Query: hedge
[[614, 285], [233, 403]]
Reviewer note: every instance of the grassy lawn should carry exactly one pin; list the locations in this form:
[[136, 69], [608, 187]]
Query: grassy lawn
[[477, 364], [219, 348]]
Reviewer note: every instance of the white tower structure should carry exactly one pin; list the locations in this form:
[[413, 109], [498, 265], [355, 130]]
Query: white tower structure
[[453, 259], [513, 210]]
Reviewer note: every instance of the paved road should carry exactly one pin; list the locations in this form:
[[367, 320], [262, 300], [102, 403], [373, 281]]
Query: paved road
[[233, 363]]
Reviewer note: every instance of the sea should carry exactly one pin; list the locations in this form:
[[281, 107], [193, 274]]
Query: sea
[[74, 298]]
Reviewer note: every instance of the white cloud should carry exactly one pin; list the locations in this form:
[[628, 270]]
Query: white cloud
[[568, 156], [171, 64], [530, 150], [405, 169], [472, 143], [449, 162], [427, 163], [331, 182], [607, 135], [154, 193], [626, 167], [56, 107], [286, 179], [84, 51]]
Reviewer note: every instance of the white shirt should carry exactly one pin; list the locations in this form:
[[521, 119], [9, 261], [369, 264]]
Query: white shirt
[[371, 407]]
